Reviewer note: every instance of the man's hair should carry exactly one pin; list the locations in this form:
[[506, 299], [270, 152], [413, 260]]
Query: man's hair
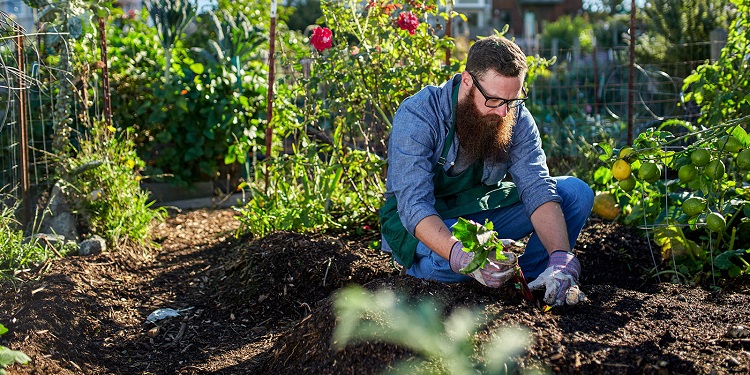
[[497, 53]]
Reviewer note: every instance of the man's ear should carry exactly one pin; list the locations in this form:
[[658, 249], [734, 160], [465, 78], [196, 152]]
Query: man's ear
[[466, 80]]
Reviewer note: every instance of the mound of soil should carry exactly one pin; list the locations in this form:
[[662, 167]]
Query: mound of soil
[[225, 305]]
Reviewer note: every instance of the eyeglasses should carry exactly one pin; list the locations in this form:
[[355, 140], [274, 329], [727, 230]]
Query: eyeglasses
[[493, 102]]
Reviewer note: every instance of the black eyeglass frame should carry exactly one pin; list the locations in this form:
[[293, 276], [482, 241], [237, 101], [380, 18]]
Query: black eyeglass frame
[[511, 103]]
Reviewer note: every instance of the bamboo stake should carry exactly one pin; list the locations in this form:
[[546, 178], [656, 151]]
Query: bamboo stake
[[23, 129]]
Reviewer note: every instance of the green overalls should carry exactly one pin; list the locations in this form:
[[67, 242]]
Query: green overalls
[[459, 195]]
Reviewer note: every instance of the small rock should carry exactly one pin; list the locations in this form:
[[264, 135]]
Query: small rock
[[737, 332], [92, 246], [153, 332]]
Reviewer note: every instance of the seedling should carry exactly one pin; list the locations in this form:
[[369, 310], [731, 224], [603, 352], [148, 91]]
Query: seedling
[[482, 240]]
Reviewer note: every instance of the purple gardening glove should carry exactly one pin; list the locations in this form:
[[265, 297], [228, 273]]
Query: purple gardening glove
[[493, 274], [560, 280]]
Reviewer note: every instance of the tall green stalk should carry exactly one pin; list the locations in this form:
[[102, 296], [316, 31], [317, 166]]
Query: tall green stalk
[[170, 17]]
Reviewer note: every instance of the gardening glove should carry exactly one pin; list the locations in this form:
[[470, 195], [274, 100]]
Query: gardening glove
[[493, 274], [560, 280]]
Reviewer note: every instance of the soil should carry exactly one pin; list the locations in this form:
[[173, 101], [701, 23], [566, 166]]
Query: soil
[[264, 306]]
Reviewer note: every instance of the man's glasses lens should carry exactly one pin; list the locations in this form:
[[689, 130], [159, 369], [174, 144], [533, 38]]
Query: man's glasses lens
[[512, 103], [498, 102]]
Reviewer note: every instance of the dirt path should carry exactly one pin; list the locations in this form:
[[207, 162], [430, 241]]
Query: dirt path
[[261, 307]]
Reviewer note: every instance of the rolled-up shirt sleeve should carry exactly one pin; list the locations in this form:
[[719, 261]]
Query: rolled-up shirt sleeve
[[528, 165], [411, 157]]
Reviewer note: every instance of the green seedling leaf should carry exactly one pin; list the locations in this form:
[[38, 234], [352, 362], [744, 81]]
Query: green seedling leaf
[[9, 357], [478, 239]]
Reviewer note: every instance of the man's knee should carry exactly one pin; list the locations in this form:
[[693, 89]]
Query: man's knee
[[573, 189]]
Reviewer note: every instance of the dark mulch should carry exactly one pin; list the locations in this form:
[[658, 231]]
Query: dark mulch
[[264, 307]]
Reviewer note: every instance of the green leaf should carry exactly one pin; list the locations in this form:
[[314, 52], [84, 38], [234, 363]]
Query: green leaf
[[606, 148], [724, 260], [9, 357], [197, 68], [603, 175], [478, 239]]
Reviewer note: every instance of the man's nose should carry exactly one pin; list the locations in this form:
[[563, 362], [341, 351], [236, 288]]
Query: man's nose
[[501, 111]]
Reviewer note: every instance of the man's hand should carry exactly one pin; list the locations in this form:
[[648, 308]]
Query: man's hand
[[493, 274], [560, 280]]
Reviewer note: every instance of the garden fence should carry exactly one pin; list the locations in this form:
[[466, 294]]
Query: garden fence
[[27, 104], [583, 100]]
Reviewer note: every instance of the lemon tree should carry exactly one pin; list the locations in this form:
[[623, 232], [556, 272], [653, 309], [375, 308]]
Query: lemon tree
[[697, 181]]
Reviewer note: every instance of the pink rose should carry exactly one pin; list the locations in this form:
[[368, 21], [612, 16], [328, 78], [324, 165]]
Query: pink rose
[[321, 38], [408, 21]]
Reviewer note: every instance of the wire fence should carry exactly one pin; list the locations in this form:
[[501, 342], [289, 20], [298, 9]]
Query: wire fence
[[585, 97], [26, 105]]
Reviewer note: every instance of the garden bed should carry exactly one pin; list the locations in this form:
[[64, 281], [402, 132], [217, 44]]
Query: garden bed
[[263, 307]]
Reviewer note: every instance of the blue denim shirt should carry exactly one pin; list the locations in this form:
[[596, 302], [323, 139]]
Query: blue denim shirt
[[420, 129]]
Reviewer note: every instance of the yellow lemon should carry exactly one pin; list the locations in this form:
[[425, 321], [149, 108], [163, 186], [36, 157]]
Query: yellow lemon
[[621, 170]]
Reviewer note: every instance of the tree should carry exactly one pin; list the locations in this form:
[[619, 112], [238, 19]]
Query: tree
[[306, 13]]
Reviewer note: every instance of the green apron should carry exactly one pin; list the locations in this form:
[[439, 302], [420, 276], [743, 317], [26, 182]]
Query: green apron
[[455, 196]]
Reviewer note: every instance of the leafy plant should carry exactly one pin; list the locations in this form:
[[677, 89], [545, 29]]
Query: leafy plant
[[306, 192], [443, 346], [685, 187], [102, 182], [478, 239], [720, 88], [670, 26], [15, 252], [8, 356]]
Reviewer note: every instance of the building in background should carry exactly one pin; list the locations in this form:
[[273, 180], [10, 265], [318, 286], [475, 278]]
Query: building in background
[[525, 18], [128, 5], [21, 13]]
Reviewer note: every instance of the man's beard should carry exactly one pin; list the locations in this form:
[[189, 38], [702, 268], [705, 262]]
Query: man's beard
[[483, 137]]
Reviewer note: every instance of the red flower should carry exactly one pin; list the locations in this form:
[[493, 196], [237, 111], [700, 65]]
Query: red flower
[[408, 21], [321, 38]]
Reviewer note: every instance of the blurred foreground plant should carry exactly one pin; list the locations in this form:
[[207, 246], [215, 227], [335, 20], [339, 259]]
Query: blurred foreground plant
[[444, 346], [9, 357]]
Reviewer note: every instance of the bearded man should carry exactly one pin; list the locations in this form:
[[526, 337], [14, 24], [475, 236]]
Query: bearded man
[[449, 153]]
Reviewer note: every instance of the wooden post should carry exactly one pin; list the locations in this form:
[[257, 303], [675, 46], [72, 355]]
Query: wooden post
[[448, 29], [631, 73], [23, 130], [596, 81], [271, 66], [105, 73]]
